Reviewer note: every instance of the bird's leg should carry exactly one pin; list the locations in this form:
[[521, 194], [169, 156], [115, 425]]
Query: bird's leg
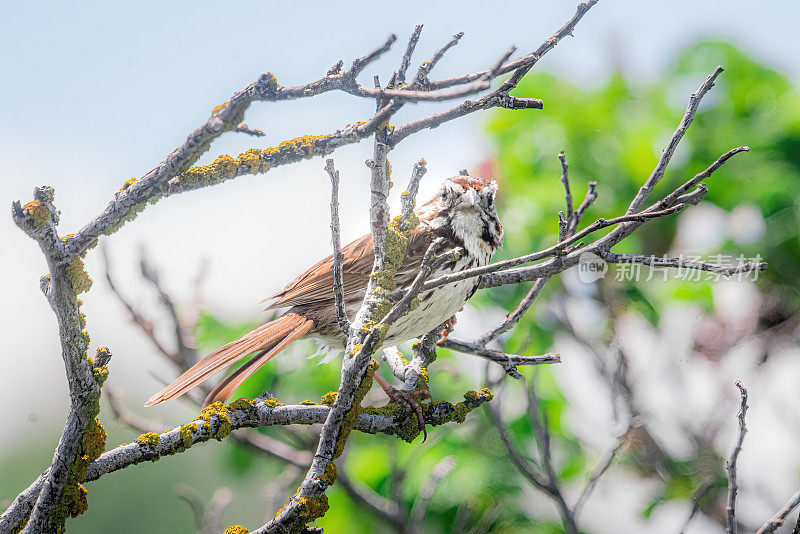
[[450, 325], [407, 399]]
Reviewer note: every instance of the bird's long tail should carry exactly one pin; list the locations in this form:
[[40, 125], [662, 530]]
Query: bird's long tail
[[266, 341]]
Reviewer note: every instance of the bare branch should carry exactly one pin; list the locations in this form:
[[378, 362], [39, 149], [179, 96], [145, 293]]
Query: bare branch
[[778, 519], [731, 527], [514, 317], [227, 117], [680, 263], [442, 468], [541, 430], [244, 413], [509, 362], [421, 78], [697, 496], [424, 355], [554, 250], [520, 62], [565, 182], [408, 198], [254, 132], [371, 500], [412, 44], [541, 481], [145, 325], [185, 353], [640, 198], [672, 198], [500, 97], [591, 196], [601, 468], [338, 257], [628, 224]]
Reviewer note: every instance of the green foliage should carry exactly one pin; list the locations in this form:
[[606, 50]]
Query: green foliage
[[614, 133]]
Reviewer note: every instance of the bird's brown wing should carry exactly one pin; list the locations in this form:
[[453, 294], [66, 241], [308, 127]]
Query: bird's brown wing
[[316, 284]]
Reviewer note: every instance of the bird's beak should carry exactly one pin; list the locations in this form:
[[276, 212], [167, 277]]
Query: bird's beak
[[469, 199]]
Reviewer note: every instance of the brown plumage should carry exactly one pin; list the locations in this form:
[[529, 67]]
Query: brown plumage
[[463, 213]]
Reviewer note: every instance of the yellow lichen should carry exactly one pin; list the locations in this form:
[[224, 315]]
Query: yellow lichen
[[304, 146], [329, 476], [128, 183], [94, 440], [21, 525], [436, 413], [39, 212], [186, 432], [240, 404], [312, 508], [308, 403], [149, 439], [272, 402], [77, 276], [73, 500], [423, 380], [254, 161], [220, 107], [222, 415], [236, 529], [351, 416], [100, 374], [328, 398]]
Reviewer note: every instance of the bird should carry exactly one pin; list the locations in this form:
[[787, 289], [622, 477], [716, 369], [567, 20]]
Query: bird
[[463, 212]]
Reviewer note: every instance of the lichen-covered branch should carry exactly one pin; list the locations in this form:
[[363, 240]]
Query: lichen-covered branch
[[172, 175], [62, 494]]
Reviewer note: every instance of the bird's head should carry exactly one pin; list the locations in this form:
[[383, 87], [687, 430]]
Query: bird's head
[[466, 206]]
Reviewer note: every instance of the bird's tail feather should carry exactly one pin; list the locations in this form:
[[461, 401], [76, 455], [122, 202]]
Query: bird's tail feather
[[268, 340]]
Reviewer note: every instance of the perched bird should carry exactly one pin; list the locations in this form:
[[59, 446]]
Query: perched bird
[[463, 213]]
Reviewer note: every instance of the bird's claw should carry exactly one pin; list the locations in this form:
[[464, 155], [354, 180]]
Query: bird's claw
[[409, 400], [450, 324]]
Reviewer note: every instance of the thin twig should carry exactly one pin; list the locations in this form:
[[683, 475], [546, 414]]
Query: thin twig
[[640, 198], [371, 500], [406, 61], [509, 362], [778, 519], [514, 317], [254, 132], [338, 257], [565, 182], [419, 510], [680, 263], [145, 325], [697, 496], [598, 472], [731, 526]]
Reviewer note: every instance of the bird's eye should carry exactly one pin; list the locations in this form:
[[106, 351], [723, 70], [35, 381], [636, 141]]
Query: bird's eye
[[444, 195]]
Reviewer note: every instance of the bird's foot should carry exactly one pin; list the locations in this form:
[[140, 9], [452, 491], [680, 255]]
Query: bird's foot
[[450, 324], [407, 399]]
